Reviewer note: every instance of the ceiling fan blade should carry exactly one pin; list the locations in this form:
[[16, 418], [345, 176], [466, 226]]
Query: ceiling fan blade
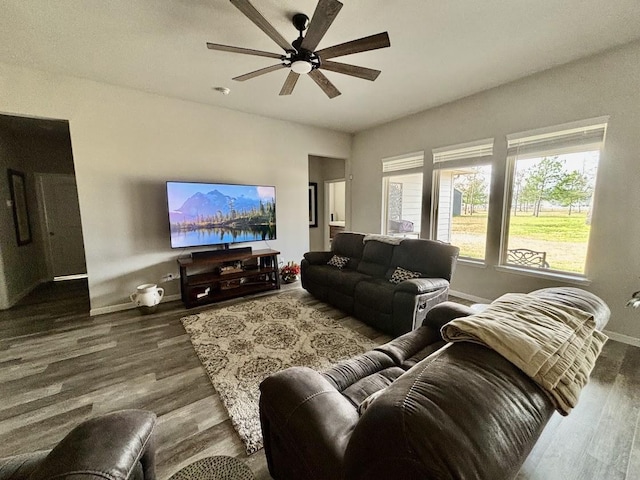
[[373, 42], [256, 17], [353, 70], [247, 51], [257, 73], [324, 83], [289, 83], [323, 17]]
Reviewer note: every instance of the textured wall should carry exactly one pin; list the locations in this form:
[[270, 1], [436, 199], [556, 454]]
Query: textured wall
[[606, 84], [127, 143]]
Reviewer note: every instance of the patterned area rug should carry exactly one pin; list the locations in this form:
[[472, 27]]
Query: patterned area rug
[[242, 344]]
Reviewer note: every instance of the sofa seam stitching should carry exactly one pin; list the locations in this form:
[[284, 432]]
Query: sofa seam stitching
[[304, 400]]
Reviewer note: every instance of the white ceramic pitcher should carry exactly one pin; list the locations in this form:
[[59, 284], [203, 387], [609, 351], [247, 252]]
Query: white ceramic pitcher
[[147, 297]]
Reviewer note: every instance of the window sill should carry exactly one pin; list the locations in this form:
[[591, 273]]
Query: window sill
[[563, 277], [472, 263]]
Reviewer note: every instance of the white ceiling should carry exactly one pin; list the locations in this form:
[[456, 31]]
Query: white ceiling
[[441, 50]]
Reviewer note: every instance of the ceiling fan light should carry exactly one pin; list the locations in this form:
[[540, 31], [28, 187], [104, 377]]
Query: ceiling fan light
[[301, 67]]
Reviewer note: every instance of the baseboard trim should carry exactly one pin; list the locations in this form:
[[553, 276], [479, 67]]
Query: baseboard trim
[[619, 337], [64, 278], [127, 306], [471, 298]]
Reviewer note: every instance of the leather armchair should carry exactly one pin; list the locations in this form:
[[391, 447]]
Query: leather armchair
[[117, 446]]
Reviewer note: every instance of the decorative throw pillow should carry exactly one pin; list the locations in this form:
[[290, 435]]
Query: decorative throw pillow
[[400, 274], [338, 261], [366, 403]]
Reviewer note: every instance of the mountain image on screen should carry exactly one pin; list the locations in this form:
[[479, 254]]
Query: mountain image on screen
[[209, 214]]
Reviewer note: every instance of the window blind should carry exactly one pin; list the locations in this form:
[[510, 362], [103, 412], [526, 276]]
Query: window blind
[[478, 151], [578, 136], [403, 162]]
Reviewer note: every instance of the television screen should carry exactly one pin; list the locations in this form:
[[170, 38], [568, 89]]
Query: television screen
[[217, 213]]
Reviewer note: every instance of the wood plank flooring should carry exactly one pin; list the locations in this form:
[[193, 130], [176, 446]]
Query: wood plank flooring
[[59, 366]]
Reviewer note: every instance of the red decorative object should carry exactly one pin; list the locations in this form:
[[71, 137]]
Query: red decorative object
[[290, 272]]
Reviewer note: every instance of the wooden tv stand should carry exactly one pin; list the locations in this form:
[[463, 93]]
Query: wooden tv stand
[[227, 274]]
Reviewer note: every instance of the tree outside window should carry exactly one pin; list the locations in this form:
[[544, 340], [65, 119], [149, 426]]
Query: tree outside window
[[550, 209]]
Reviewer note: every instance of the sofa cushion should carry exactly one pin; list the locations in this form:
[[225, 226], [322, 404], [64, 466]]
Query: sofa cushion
[[340, 280], [410, 344], [429, 257], [376, 258], [363, 388], [400, 275], [338, 261], [367, 401], [348, 245], [375, 292], [350, 371], [345, 281], [320, 274]]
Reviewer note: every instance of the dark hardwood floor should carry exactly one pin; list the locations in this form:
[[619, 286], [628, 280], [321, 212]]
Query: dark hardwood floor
[[59, 366]]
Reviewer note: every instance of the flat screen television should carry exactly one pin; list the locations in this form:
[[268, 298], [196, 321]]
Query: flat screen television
[[204, 214]]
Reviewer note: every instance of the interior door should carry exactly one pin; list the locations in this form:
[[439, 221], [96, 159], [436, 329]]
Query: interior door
[[59, 196]]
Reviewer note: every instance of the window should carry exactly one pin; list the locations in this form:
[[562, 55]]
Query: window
[[402, 195], [551, 181], [461, 184]]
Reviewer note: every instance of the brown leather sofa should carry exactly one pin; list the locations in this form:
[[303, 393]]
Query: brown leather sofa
[[459, 411], [115, 446], [363, 288]]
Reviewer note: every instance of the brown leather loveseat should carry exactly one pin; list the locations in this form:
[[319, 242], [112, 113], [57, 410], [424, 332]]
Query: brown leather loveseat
[[459, 411]]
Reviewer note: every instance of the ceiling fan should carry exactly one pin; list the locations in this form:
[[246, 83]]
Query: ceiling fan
[[301, 55]]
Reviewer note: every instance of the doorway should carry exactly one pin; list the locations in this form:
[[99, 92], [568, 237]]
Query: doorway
[[40, 149], [324, 170], [335, 211], [58, 197]]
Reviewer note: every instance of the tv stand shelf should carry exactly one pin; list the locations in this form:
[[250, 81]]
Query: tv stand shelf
[[203, 281]]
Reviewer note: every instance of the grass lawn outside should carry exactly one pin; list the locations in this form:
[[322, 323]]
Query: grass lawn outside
[[564, 237]]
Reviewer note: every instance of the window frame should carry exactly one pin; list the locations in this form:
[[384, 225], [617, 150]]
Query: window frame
[[547, 148], [406, 164], [464, 155]]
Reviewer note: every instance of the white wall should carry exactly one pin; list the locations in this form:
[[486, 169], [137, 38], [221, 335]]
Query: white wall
[[127, 143], [606, 84]]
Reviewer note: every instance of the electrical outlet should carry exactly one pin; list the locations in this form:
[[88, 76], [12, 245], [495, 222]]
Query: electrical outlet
[[168, 277]]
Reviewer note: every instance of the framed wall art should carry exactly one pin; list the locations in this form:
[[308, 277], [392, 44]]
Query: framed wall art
[[18, 189], [313, 204]]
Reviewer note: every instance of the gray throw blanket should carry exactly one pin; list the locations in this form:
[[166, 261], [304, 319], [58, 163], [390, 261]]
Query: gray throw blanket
[[554, 344], [382, 238]]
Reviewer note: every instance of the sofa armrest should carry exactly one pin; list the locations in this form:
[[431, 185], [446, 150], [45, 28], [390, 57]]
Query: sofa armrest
[[306, 424], [422, 285], [110, 446], [443, 313], [318, 258], [20, 467], [407, 345]]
